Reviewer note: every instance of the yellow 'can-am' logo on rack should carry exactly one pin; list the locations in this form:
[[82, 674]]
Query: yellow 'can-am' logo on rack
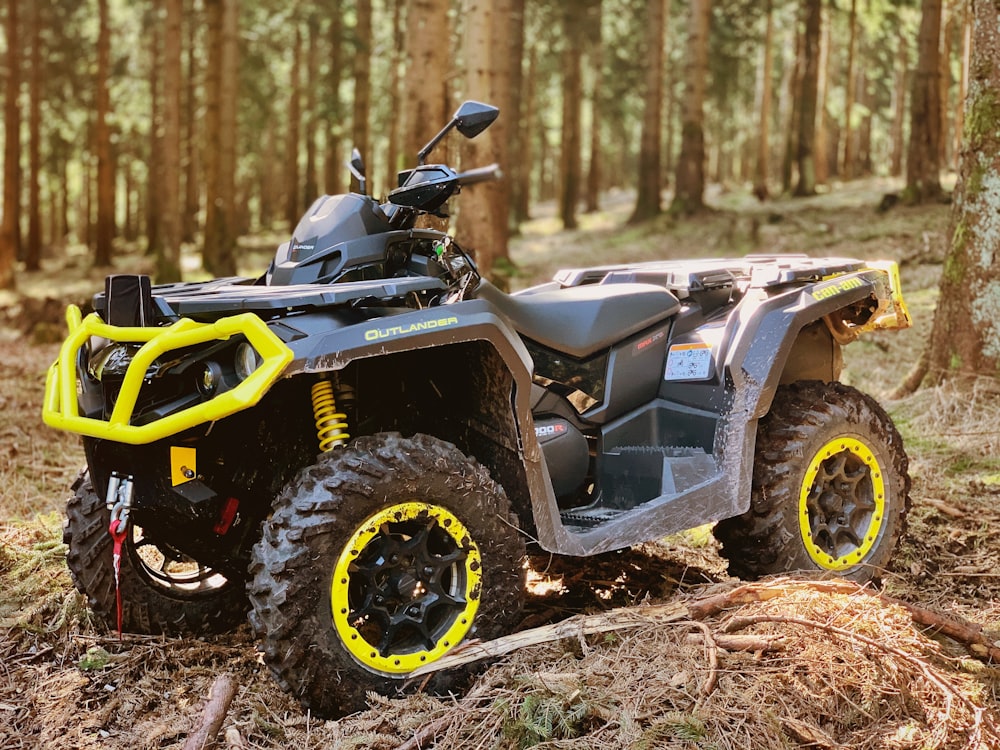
[[832, 290], [374, 334]]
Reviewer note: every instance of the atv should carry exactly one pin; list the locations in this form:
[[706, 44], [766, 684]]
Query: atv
[[358, 445]]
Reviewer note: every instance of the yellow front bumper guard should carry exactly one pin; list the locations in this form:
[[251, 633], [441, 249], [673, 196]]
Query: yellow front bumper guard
[[61, 410]]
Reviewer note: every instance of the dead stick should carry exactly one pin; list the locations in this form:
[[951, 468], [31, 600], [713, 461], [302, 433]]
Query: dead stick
[[219, 698]]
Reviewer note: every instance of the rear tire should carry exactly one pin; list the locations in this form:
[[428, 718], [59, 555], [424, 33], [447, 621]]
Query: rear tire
[[378, 559], [830, 488], [161, 592]]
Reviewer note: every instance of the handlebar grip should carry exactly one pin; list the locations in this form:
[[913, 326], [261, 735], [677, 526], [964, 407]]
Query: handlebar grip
[[480, 174]]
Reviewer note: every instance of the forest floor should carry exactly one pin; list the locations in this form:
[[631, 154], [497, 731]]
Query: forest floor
[[818, 668]]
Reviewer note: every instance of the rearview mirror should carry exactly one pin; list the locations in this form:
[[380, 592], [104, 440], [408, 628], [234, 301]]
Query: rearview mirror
[[472, 118]]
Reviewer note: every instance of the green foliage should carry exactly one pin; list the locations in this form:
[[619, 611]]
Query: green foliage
[[542, 717], [95, 659]]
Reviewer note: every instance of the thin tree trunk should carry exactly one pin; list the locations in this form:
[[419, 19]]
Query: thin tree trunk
[[899, 106], [218, 254], [525, 153], [805, 158], [569, 156], [333, 168], [765, 72], [192, 192], [518, 136], [596, 49], [310, 187], [392, 162], [10, 229], [33, 251], [168, 266], [293, 121], [689, 192], [847, 165], [362, 86], [923, 179], [105, 169], [647, 204], [821, 144], [154, 169]]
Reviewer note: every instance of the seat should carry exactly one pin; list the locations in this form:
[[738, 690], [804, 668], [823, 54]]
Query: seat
[[582, 320]]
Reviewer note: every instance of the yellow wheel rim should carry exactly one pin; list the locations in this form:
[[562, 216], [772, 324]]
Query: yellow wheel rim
[[841, 504], [406, 587]]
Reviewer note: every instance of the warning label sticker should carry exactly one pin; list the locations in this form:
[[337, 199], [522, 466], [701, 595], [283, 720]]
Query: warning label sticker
[[689, 362]]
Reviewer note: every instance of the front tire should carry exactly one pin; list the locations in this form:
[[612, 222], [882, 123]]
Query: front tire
[[378, 559], [162, 592], [830, 488]]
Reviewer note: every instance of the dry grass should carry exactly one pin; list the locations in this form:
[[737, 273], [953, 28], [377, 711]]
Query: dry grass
[[853, 672]]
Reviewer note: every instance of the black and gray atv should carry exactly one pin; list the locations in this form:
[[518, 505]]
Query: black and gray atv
[[357, 445]]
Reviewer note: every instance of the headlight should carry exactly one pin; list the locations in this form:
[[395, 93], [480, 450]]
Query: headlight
[[247, 360], [211, 376]]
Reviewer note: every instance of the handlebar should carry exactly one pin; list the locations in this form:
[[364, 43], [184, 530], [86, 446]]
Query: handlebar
[[480, 174]]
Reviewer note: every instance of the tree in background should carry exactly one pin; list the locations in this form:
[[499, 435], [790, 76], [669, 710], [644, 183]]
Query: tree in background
[[966, 334], [426, 104], [689, 191], [105, 231], [218, 251], [362, 82], [805, 157], [168, 261], [764, 96], [10, 229], [33, 250], [483, 208], [570, 166], [647, 202], [923, 166]]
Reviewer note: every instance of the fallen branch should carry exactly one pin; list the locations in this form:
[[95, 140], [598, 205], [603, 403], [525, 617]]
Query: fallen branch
[[219, 698], [574, 627]]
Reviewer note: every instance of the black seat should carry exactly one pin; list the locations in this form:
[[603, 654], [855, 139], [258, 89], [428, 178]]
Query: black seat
[[581, 320]]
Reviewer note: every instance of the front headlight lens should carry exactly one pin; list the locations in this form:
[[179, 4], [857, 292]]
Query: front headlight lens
[[111, 361], [247, 361]]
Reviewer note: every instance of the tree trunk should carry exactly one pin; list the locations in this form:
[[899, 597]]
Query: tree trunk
[[293, 123], [310, 187], [362, 87], [154, 164], [483, 214], [192, 192], [105, 168], [923, 181], [570, 168], [821, 144], [518, 135], [33, 250], [168, 266], [899, 106], [596, 50], [393, 164], [333, 167], [805, 158], [218, 253], [426, 83], [689, 192], [10, 229], [524, 155], [965, 340], [847, 166], [765, 72], [647, 204]]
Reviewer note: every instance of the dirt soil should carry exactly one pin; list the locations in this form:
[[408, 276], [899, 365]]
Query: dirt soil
[[816, 669]]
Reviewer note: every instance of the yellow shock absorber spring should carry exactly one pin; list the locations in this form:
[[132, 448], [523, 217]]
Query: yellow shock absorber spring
[[331, 425]]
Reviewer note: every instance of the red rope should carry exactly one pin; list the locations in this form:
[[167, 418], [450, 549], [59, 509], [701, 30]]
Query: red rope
[[118, 532]]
